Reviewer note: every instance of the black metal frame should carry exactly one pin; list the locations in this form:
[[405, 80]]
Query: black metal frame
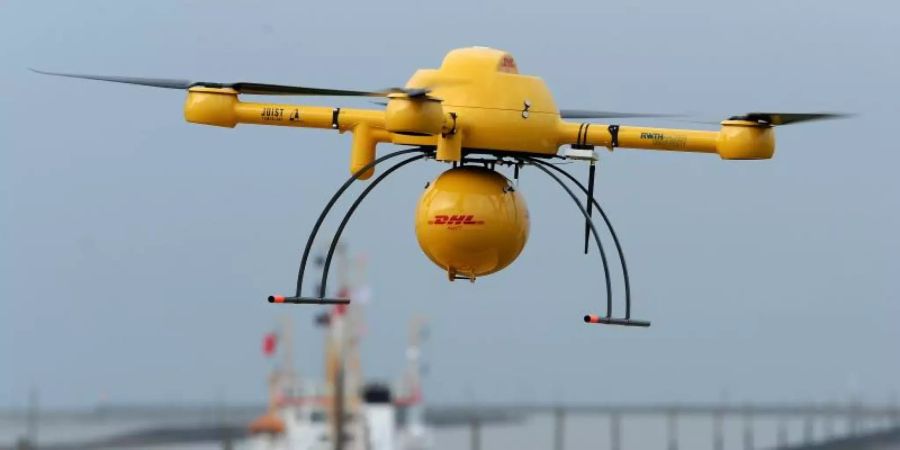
[[608, 319], [425, 152], [337, 234], [321, 299]]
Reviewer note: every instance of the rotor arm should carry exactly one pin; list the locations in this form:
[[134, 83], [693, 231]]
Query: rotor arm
[[737, 139], [221, 107], [341, 119], [610, 136]]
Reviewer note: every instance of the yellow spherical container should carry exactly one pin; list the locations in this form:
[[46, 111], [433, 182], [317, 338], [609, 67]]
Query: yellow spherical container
[[471, 221]]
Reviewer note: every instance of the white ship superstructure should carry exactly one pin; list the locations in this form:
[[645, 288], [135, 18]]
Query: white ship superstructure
[[343, 413]]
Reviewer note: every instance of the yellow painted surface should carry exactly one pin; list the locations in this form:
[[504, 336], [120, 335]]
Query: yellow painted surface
[[362, 152], [449, 147], [470, 222], [413, 116], [745, 140], [598, 134], [484, 103]]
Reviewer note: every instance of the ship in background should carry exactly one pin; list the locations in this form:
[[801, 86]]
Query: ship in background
[[344, 412]]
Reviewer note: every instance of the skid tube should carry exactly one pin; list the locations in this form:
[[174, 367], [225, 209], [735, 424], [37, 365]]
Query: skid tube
[[298, 298], [608, 319]]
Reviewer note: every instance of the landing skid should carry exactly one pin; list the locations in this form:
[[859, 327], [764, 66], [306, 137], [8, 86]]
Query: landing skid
[[308, 300], [423, 152]]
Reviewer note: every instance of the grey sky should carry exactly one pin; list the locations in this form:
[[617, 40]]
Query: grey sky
[[137, 249]]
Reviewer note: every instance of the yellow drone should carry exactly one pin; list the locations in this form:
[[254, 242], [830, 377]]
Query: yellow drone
[[475, 113]]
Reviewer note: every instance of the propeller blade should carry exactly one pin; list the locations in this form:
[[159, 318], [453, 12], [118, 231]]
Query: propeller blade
[[701, 122], [589, 114], [166, 83], [280, 89], [245, 87], [786, 118]]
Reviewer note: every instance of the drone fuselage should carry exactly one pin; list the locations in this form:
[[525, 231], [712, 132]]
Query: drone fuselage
[[477, 101], [471, 221]]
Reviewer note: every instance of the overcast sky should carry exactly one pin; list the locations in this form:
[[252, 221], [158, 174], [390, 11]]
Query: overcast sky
[[137, 249]]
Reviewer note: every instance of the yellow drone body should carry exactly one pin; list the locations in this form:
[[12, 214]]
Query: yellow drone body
[[479, 101], [475, 112]]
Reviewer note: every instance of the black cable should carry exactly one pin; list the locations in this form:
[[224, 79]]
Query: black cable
[[590, 205]]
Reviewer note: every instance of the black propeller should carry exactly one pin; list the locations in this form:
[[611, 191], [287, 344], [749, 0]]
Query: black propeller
[[589, 114], [774, 119], [770, 118], [245, 87]]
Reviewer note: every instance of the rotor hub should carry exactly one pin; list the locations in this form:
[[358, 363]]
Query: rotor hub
[[417, 116]]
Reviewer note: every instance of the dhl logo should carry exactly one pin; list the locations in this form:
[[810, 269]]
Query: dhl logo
[[456, 219]]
